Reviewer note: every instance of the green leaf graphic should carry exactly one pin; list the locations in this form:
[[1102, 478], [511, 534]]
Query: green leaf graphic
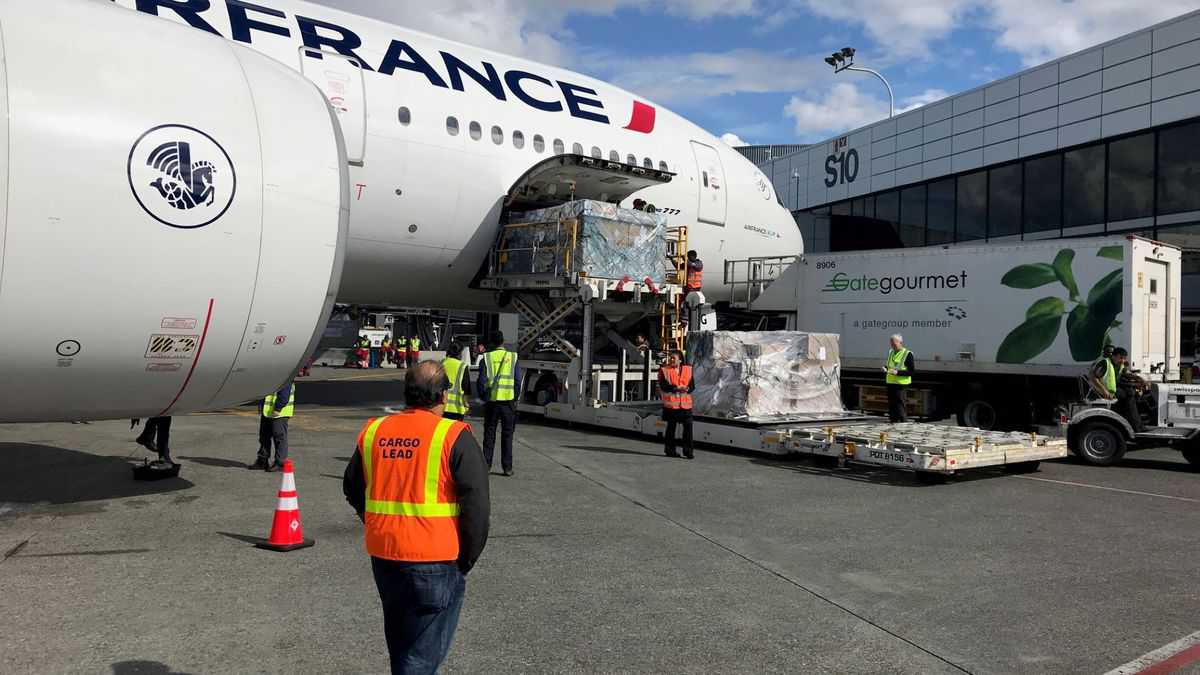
[[1062, 270], [1105, 296], [1045, 307], [1112, 253], [1029, 276], [1029, 339]]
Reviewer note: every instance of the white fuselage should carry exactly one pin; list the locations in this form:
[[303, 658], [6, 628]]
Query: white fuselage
[[426, 202]]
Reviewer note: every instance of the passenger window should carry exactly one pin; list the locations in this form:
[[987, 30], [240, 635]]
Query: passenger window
[[631, 160], [648, 163], [476, 131], [559, 147], [577, 149], [596, 153], [614, 156], [497, 135], [704, 175], [405, 116], [1154, 287], [518, 140], [662, 166], [452, 126], [539, 144]]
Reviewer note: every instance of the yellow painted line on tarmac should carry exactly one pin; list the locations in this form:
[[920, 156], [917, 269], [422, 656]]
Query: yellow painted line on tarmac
[[1112, 489]]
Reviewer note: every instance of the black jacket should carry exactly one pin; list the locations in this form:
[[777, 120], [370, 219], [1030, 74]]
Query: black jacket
[[470, 475]]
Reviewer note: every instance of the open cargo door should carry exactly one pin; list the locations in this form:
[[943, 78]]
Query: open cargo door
[[563, 178], [341, 79]]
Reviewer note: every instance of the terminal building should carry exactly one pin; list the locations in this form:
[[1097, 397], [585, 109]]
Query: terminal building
[[1104, 141]]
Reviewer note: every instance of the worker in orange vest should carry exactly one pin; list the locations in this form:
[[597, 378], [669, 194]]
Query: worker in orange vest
[[419, 484], [675, 385], [695, 273]]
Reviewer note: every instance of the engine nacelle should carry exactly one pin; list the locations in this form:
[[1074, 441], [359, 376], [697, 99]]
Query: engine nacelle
[[173, 219]]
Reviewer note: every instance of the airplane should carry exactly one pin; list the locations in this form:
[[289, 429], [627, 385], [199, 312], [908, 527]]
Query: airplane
[[193, 183]]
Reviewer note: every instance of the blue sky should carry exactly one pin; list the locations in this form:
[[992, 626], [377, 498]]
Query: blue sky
[[753, 68]]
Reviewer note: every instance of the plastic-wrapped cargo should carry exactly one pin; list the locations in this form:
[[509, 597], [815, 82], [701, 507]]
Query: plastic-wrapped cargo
[[593, 238], [765, 374]]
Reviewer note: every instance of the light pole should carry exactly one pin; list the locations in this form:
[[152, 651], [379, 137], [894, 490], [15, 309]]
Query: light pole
[[844, 60]]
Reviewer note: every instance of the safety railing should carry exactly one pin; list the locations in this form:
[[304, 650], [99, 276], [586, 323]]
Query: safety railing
[[747, 279]]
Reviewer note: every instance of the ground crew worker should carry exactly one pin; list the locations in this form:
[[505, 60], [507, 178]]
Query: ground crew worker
[[277, 410], [498, 378], [414, 351], [460, 385], [1111, 376], [899, 370], [385, 349], [156, 437], [418, 483], [363, 351], [675, 386], [402, 351], [695, 273]]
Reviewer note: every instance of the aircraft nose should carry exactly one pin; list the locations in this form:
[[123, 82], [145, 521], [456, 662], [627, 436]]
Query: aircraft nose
[[792, 243]]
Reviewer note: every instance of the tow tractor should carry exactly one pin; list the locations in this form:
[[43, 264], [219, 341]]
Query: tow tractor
[[1101, 437]]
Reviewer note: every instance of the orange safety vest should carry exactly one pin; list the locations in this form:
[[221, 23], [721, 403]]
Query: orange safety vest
[[680, 379], [695, 276], [412, 505]]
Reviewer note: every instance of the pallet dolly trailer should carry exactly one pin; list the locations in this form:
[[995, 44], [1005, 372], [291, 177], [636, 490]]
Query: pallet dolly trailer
[[933, 451]]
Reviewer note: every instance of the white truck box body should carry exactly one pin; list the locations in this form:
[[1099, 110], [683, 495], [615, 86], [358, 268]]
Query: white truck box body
[[1032, 308]]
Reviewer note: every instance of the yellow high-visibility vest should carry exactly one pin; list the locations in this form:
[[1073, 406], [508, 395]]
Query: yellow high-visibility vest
[[456, 400], [500, 365], [268, 409], [895, 361]]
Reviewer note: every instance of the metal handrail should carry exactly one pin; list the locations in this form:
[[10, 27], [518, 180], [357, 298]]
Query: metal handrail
[[748, 278]]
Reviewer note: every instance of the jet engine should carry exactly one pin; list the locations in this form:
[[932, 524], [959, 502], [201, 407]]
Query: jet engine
[[173, 216]]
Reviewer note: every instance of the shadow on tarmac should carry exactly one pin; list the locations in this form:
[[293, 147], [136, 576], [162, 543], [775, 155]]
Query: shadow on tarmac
[[350, 392], [617, 451], [1162, 465], [244, 538], [143, 668], [216, 461], [36, 474], [865, 474]]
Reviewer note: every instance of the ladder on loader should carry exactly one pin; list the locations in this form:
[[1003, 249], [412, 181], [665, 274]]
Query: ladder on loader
[[672, 330]]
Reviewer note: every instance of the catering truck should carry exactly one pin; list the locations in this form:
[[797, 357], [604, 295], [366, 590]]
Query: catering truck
[[1002, 333]]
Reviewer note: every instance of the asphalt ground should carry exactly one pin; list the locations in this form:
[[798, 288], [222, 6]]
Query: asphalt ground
[[605, 557]]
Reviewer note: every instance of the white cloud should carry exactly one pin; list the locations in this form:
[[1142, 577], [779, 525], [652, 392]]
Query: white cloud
[[845, 107], [899, 27], [732, 140], [697, 76], [1043, 30]]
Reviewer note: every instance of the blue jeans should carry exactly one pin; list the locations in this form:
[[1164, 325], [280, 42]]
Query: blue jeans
[[421, 603]]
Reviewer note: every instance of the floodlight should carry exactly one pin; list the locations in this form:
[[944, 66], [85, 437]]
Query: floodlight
[[831, 61]]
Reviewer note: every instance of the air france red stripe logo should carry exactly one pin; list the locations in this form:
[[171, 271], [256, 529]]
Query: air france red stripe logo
[[643, 118]]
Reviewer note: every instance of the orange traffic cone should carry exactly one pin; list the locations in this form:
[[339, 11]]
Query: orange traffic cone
[[286, 532]]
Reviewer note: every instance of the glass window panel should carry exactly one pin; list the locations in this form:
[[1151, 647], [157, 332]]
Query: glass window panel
[[856, 207], [1131, 178], [452, 126], [841, 209], [476, 131], [821, 226], [1043, 194], [597, 153], [630, 159], [940, 215], [971, 206], [807, 223], [539, 143], [1083, 186], [497, 135], [614, 156], [405, 116], [1004, 201], [1179, 169], [649, 163], [560, 148], [518, 140], [576, 149], [912, 216], [662, 166]]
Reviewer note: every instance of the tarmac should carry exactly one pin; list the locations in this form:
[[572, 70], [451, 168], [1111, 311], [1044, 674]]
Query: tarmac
[[605, 557]]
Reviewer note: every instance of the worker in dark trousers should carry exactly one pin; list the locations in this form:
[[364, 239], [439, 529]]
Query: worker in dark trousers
[[1111, 375], [156, 437], [695, 273], [498, 378], [899, 371], [675, 386], [277, 410]]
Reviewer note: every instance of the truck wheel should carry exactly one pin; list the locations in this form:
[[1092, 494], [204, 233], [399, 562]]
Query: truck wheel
[[978, 413], [1100, 444], [1022, 467], [1192, 455]]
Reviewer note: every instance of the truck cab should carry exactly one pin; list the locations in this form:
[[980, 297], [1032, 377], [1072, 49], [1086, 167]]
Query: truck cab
[[1170, 410]]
